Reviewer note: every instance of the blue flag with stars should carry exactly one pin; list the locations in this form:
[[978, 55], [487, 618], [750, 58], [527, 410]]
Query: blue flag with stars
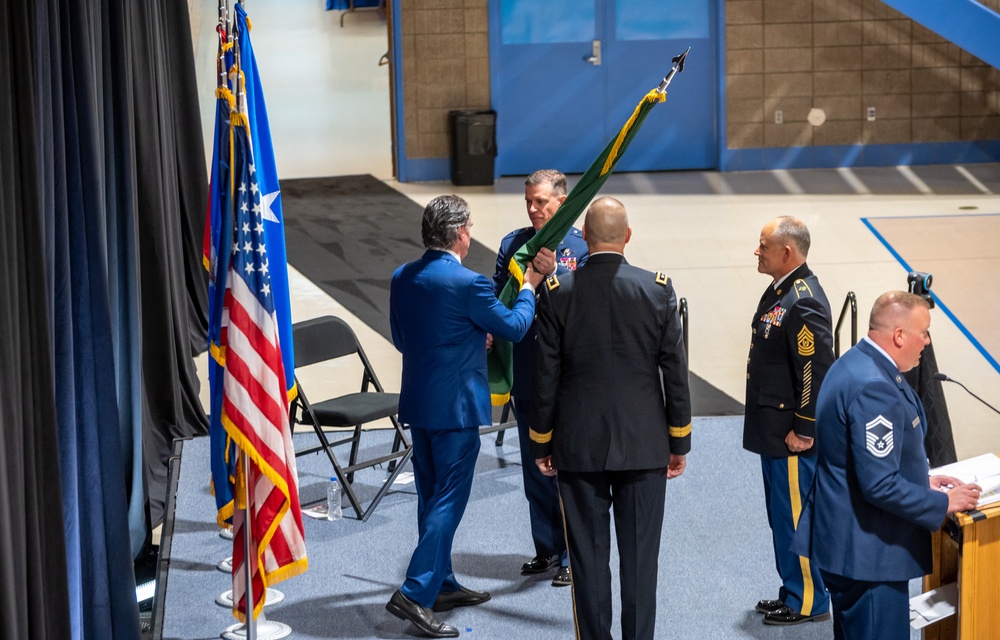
[[270, 193]]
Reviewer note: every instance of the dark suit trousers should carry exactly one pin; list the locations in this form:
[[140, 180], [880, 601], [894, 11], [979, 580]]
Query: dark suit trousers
[[867, 610], [542, 492], [637, 499], [444, 462]]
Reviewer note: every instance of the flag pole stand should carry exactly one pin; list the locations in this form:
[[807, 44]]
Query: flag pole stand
[[249, 627], [265, 630], [273, 596], [226, 566]]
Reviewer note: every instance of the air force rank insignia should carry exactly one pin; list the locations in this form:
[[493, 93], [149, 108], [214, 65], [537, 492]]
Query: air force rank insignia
[[878, 437], [552, 282], [661, 278]]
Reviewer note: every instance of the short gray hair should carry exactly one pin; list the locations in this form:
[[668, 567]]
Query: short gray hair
[[792, 230], [556, 179], [443, 217]]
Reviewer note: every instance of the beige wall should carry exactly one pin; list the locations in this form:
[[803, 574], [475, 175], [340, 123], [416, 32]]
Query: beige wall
[[446, 66], [844, 56]]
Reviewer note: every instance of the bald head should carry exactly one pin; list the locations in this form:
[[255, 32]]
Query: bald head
[[898, 323], [606, 226]]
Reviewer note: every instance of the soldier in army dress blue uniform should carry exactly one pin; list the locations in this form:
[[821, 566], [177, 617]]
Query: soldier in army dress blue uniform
[[611, 416], [791, 348]]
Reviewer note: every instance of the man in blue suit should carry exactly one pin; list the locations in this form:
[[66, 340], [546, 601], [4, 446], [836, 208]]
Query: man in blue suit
[[872, 506], [544, 192], [440, 313]]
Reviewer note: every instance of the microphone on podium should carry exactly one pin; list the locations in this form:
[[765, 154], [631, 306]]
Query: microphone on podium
[[944, 378]]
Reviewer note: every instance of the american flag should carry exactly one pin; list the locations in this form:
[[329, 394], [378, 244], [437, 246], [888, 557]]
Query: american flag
[[255, 404]]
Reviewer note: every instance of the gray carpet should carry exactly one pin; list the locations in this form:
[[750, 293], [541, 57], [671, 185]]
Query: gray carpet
[[715, 560]]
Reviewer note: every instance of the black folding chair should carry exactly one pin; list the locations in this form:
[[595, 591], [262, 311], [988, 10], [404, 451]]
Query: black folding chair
[[501, 427], [328, 338]]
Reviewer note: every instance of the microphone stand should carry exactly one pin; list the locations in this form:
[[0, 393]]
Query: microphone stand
[[944, 378]]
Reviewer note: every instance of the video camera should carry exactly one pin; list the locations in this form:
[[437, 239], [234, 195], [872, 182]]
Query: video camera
[[919, 283]]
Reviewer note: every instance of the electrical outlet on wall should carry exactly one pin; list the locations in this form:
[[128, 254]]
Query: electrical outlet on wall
[[779, 116], [871, 114]]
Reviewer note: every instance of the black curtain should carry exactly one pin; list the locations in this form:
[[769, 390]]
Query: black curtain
[[102, 302], [33, 572], [172, 191], [939, 441]]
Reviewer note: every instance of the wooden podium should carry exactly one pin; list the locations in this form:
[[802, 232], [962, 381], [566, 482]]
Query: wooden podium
[[967, 551]]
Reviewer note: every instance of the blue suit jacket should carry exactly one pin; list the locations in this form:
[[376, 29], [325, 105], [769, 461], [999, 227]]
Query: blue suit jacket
[[440, 312], [871, 507], [570, 254]]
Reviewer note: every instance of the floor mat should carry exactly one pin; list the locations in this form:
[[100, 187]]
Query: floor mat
[[347, 234]]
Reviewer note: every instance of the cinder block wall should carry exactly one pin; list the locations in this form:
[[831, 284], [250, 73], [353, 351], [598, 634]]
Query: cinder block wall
[[845, 56], [841, 56], [446, 66]]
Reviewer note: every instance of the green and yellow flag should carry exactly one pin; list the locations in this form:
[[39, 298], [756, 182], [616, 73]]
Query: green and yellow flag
[[500, 357]]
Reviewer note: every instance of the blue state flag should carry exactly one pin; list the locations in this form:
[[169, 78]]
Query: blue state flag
[[267, 179], [217, 257]]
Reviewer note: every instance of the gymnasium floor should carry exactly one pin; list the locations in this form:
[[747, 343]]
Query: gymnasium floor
[[329, 114]]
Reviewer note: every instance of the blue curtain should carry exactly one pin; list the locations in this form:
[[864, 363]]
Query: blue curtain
[[103, 190]]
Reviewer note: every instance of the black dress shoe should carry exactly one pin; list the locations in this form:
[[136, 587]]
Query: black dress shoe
[[539, 564], [420, 617], [461, 598], [563, 578], [785, 617], [769, 606]]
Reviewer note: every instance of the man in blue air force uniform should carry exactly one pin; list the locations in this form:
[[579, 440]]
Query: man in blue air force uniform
[[544, 192], [872, 504], [791, 348], [440, 313], [611, 417]]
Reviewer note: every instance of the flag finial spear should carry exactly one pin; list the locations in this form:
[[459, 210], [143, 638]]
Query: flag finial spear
[[677, 68]]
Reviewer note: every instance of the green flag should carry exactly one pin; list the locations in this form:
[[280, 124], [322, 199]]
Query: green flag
[[500, 357]]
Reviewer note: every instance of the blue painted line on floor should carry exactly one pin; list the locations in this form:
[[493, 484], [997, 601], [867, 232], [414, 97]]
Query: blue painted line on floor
[[924, 217], [937, 300]]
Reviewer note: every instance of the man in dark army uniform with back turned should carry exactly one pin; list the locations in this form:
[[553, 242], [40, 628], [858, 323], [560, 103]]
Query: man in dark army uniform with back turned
[[611, 414], [791, 348]]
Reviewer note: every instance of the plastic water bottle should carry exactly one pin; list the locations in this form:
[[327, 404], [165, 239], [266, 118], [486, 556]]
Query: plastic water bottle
[[333, 510]]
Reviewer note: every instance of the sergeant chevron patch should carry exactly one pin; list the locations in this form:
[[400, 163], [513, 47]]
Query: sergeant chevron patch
[[807, 342], [878, 437]]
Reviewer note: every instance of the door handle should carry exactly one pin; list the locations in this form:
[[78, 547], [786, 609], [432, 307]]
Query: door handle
[[595, 54]]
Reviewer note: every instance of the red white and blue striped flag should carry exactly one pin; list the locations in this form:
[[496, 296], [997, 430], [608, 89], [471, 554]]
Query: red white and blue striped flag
[[255, 402]]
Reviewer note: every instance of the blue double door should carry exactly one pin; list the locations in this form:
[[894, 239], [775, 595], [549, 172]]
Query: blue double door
[[567, 74]]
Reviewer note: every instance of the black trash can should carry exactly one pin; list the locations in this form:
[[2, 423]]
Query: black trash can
[[473, 147]]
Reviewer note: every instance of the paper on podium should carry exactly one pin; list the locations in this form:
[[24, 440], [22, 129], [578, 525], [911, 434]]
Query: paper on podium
[[934, 605], [984, 470]]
